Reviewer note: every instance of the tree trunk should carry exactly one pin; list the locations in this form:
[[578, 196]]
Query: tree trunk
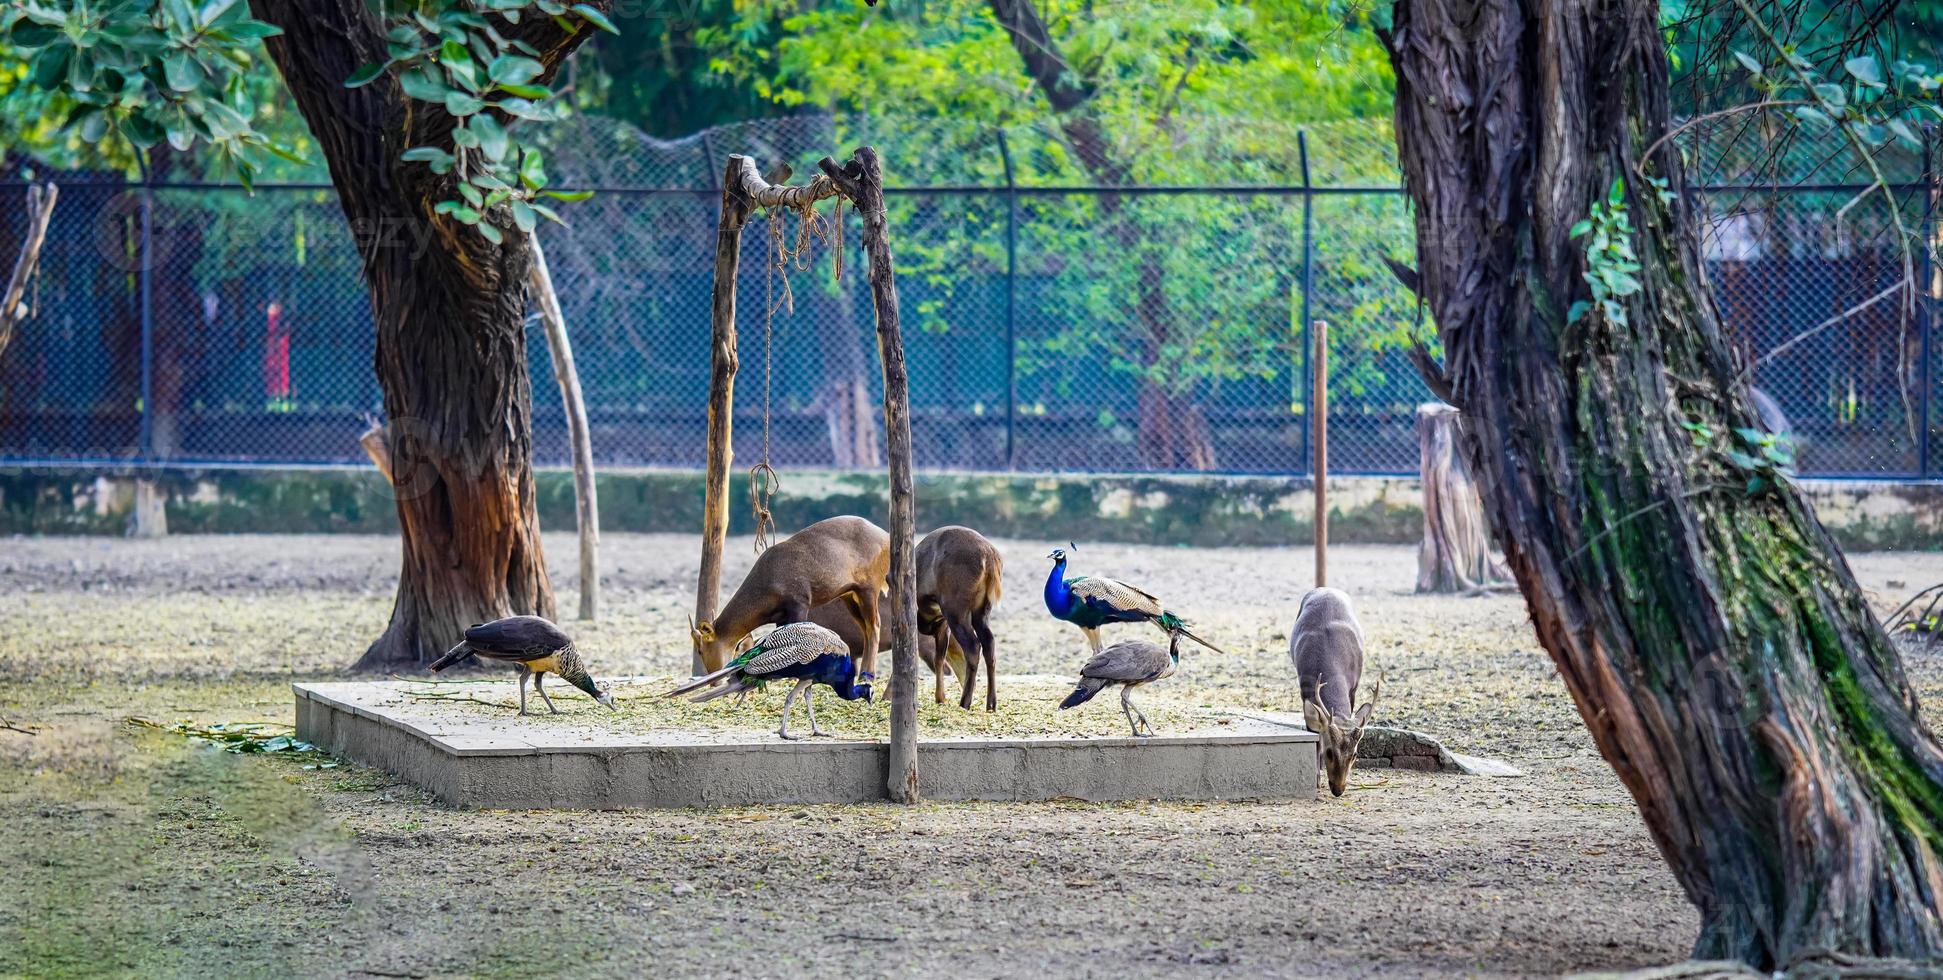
[[1173, 431], [1456, 552], [1708, 629], [846, 389], [451, 352], [567, 377]]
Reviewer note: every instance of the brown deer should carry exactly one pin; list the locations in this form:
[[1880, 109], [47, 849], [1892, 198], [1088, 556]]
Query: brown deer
[[839, 558], [958, 574], [958, 587], [1327, 647]]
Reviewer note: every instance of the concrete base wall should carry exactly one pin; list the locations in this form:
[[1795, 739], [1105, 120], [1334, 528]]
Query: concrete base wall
[[502, 765], [1202, 511]]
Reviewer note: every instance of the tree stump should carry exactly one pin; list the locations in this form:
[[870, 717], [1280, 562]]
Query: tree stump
[[1456, 551]]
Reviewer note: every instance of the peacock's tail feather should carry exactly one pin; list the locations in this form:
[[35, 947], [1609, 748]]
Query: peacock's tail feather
[[1082, 693], [1175, 624]]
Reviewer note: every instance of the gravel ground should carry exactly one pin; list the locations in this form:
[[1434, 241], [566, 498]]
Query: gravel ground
[[135, 852]]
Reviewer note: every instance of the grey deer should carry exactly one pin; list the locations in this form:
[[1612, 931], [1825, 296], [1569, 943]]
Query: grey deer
[[1327, 648]]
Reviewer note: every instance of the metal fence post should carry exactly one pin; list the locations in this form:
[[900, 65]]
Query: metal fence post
[[1308, 286], [1011, 302], [1926, 325], [146, 279]]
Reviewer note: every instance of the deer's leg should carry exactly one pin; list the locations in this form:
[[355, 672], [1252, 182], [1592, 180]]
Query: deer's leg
[[967, 642], [990, 654], [940, 661], [863, 604]]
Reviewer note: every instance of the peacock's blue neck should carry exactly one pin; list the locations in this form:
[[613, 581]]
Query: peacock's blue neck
[[1059, 598], [839, 673]]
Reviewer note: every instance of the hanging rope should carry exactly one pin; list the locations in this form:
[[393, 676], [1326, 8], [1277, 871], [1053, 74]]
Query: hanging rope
[[811, 228]]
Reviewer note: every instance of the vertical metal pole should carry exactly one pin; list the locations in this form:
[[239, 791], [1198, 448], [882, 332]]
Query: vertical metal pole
[[1320, 439], [1308, 284], [1011, 303], [145, 284], [1925, 378]]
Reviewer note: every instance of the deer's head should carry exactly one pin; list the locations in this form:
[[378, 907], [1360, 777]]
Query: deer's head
[[1340, 737], [702, 636]]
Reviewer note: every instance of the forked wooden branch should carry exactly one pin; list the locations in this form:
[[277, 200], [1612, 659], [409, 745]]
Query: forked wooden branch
[[40, 209]]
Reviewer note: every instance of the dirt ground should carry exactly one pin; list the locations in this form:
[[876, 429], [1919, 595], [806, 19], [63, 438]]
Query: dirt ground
[[136, 852]]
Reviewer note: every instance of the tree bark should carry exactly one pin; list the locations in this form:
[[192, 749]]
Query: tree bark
[[586, 502], [862, 181], [40, 210], [1455, 555], [1173, 430], [451, 352], [1708, 629]]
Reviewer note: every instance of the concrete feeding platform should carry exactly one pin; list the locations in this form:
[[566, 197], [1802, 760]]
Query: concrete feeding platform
[[565, 762]]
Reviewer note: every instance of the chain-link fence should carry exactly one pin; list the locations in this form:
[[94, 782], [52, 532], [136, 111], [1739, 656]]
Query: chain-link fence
[[1050, 324]]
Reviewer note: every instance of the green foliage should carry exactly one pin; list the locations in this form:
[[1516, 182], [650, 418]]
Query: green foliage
[[450, 54], [143, 74], [246, 739], [1610, 264], [1191, 93]]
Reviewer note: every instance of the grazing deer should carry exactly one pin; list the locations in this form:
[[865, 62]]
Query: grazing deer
[[958, 579], [958, 587], [846, 558], [1327, 647]]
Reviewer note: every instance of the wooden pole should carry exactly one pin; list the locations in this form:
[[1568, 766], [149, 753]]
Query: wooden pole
[[743, 190], [586, 506], [1320, 438], [862, 180], [721, 401]]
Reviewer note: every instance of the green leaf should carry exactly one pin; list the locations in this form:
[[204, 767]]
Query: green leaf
[[492, 136], [569, 197], [461, 104], [524, 216], [252, 30], [596, 18], [1747, 61], [532, 172], [491, 234], [182, 71], [364, 76], [423, 85], [525, 91], [1831, 95], [1616, 194], [1584, 225], [471, 194], [1578, 311], [1866, 70], [513, 69]]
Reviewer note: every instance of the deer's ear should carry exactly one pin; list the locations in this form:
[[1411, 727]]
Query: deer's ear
[[1362, 716], [1316, 718]]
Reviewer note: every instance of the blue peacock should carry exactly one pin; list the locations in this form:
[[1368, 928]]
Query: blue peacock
[[803, 652], [1090, 603]]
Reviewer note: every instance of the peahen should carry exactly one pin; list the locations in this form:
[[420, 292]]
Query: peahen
[[1090, 603], [536, 647], [1128, 663], [803, 652]]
